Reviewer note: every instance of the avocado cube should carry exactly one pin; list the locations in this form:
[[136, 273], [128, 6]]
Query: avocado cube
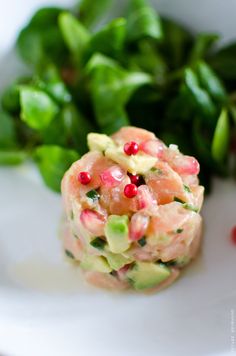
[[95, 263], [117, 261], [117, 233], [147, 275]]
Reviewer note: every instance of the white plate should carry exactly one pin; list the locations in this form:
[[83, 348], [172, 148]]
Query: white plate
[[47, 309]]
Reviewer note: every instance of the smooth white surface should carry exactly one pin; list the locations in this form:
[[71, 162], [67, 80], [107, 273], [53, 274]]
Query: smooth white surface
[[45, 307]]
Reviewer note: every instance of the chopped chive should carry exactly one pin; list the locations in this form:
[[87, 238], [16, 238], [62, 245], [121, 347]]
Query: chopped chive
[[75, 236], [142, 242], [178, 200], [93, 194], [171, 263], [72, 215], [98, 243], [186, 188], [69, 254], [178, 231], [190, 207], [156, 170]]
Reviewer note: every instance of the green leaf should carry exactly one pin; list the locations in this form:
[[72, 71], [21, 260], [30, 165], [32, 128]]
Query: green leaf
[[37, 108], [7, 131], [69, 128], [41, 41], [143, 21], [11, 99], [51, 82], [110, 39], [200, 97], [202, 45], [211, 82], [53, 162], [220, 143], [11, 157], [76, 36], [176, 43], [90, 11], [149, 60], [111, 88], [224, 63]]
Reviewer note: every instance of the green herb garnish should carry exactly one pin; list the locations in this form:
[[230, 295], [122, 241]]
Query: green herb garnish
[[93, 194], [178, 200], [69, 254], [98, 243], [142, 242], [190, 207], [187, 189], [178, 231]]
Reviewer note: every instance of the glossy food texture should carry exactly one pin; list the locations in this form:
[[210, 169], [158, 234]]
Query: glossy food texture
[[132, 233]]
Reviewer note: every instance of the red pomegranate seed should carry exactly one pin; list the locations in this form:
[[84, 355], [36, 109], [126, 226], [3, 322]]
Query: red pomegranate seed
[[130, 190], [135, 178], [131, 148], [233, 234], [84, 178]]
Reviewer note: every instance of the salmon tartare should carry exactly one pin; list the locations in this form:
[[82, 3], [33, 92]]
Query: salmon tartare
[[132, 208]]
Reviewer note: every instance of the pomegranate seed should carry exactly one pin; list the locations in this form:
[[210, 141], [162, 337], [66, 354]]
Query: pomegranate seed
[[153, 148], [138, 226], [112, 176], [93, 221], [84, 178], [135, 178], [233, 234], [130, 190], [131, 148], [144, 198]]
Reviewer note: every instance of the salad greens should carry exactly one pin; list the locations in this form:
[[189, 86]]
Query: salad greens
[[140, 69]]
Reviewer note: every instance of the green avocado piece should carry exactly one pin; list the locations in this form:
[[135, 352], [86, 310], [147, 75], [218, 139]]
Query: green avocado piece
[[95, 263], [117, 261], [117, 233], [147, 275], [99, 142]]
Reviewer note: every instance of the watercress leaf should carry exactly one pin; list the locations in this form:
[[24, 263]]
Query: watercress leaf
[[76, 127], [176, 43], [75, 35], [53, 161], [68, 129], [220, 143], [51, 82], [223, 62], [148, 59], [90, 11], [37, 108], [111, 88], [211, 82], [7, 131], [43, 38], [143, 21], [203, 102], [203, 43], [110, 39], [12, 157], [202, 141], [11, 99]]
